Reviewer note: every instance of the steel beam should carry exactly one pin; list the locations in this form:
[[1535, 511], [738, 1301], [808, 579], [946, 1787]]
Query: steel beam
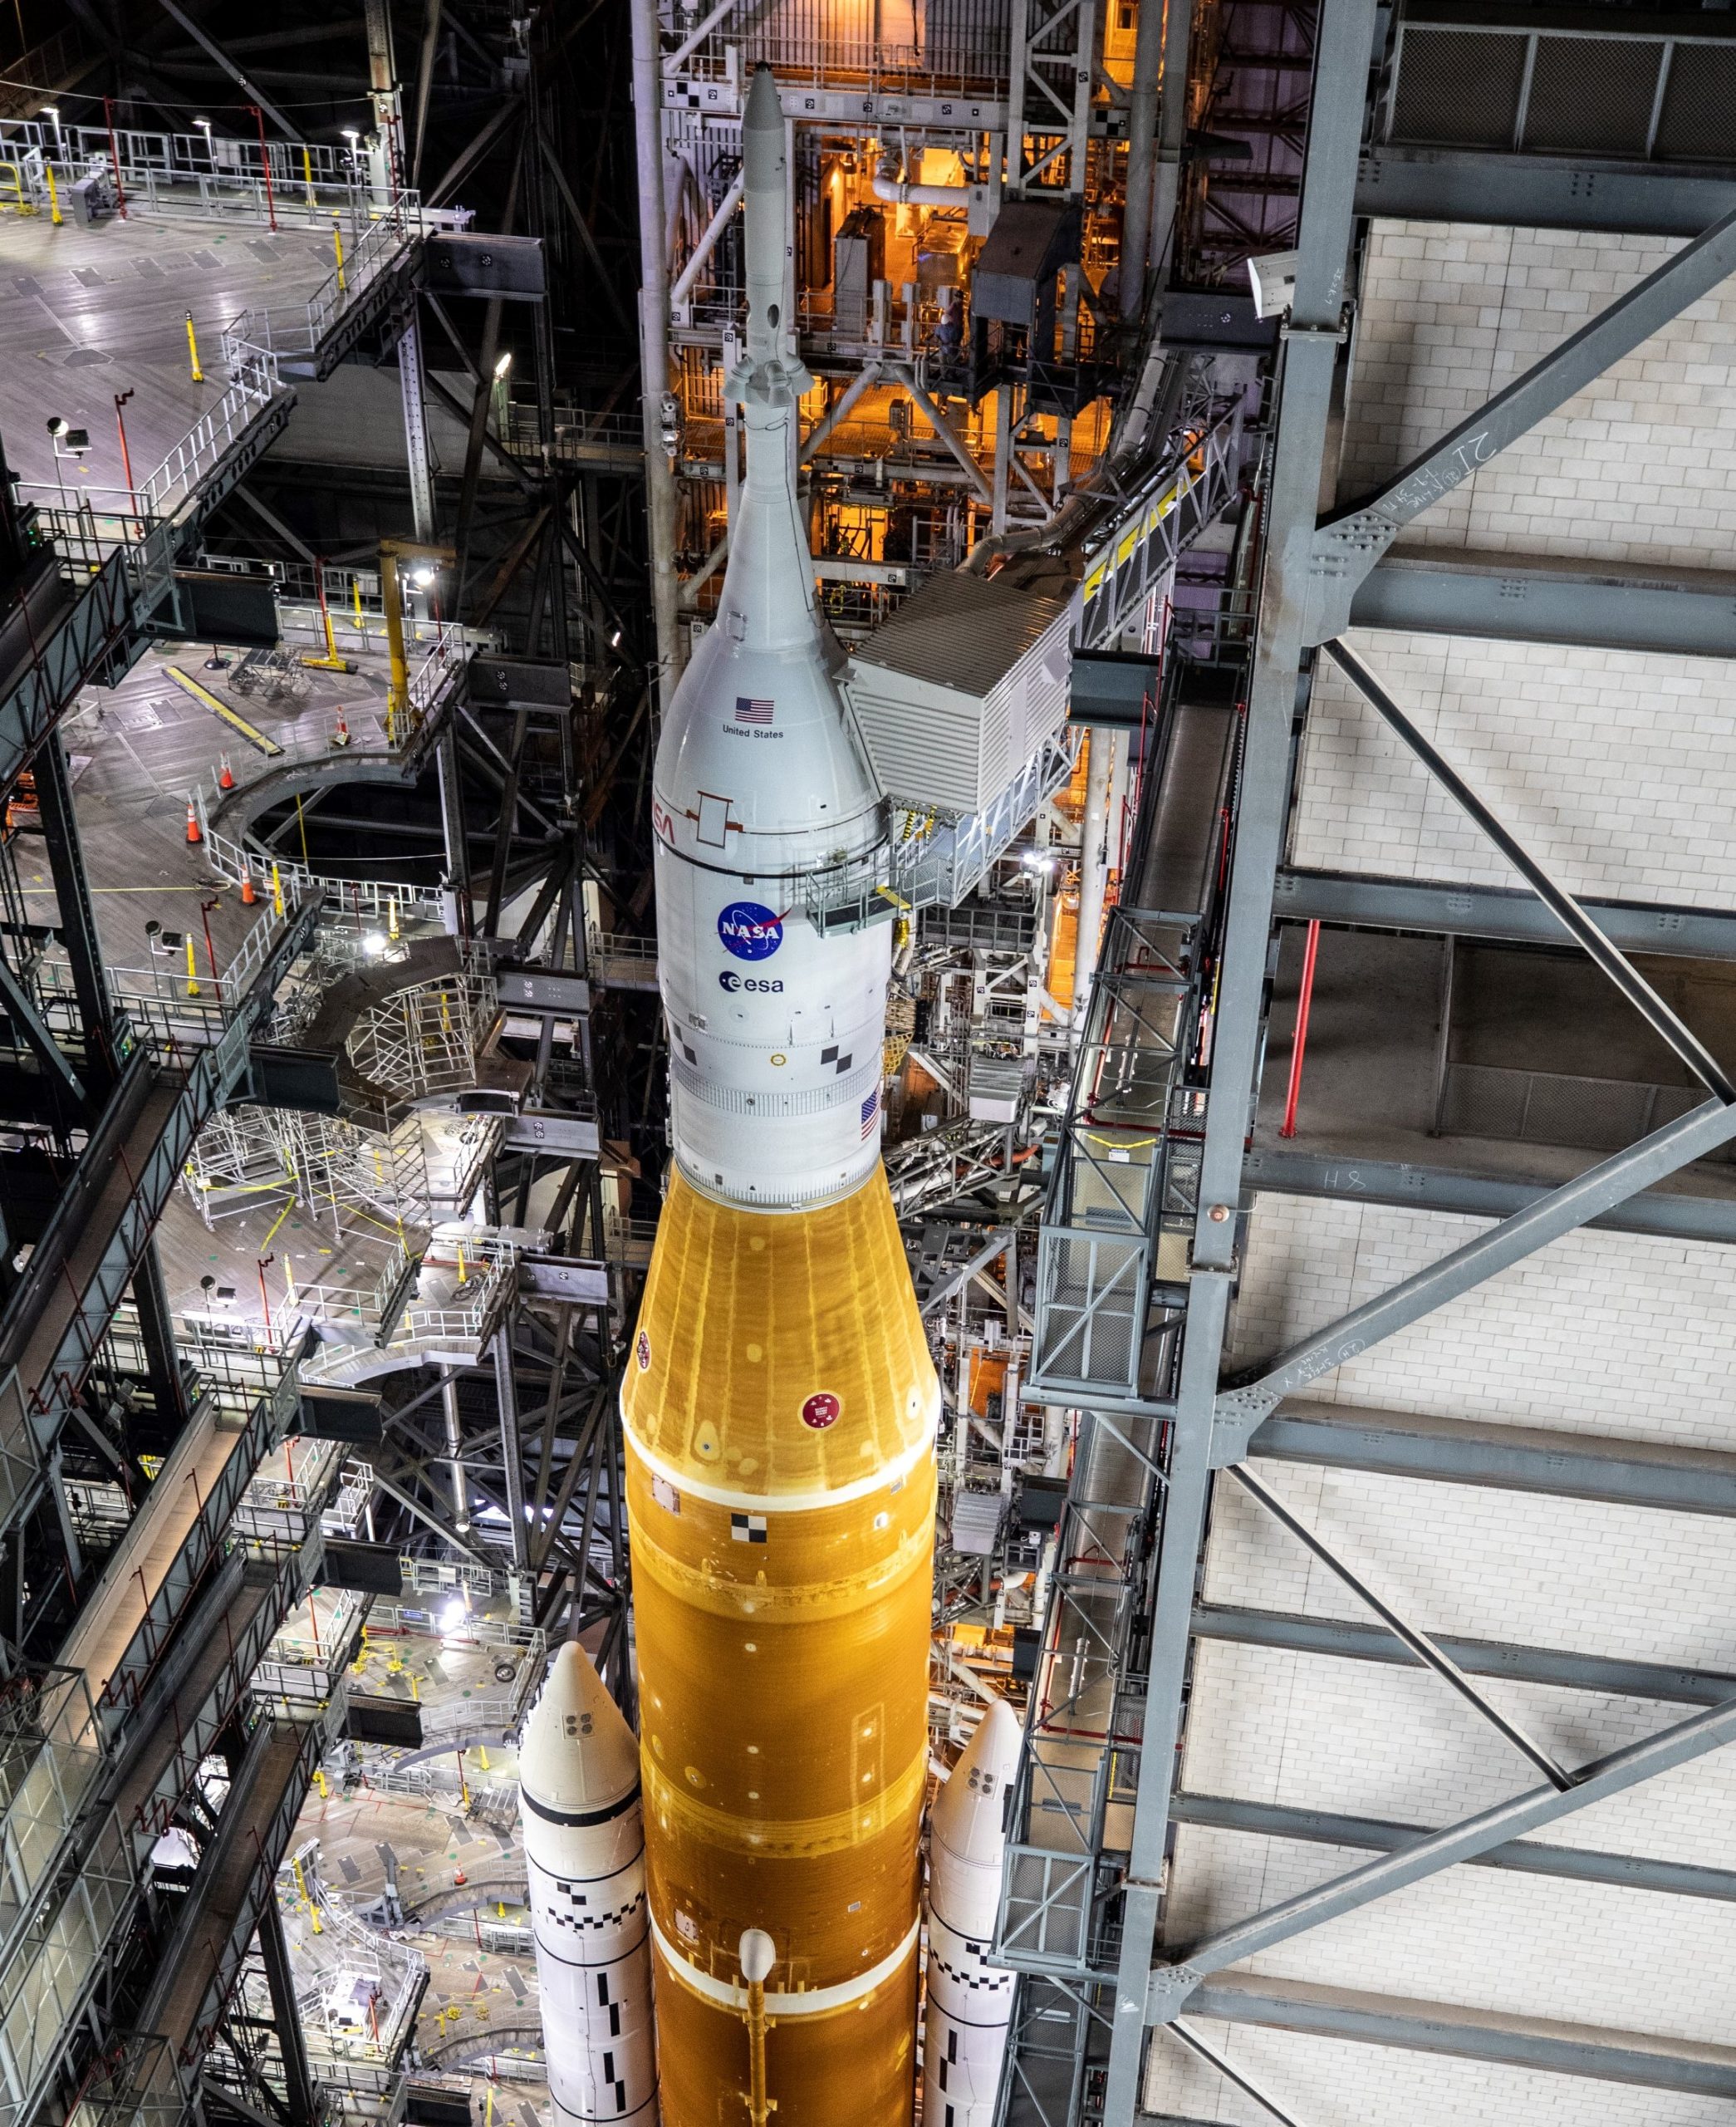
[[1348, 1639], [1599, 1189], [1343, 46], [1418, 1642], [1284, 1171], [20, 1007], [1659, 1016], [1633, 1871], [1238, 2078], [209, 45], [1606, 2055], [1507, 912], [1348, 545], [1512, 598], [1531, 192], [1430, 1853], [1614, 1472], [77, 911], [512, 1447], [304, 2110]]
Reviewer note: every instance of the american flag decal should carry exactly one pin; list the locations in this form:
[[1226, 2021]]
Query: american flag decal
[[750, 711], [871, 1112]]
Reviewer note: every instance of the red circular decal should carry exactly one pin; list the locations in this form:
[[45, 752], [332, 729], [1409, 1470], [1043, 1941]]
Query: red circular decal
[[643, 1349], [821, 1411]]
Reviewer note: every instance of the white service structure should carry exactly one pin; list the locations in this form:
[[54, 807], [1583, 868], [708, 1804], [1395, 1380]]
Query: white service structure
[[584, 1848], [970, 2000]]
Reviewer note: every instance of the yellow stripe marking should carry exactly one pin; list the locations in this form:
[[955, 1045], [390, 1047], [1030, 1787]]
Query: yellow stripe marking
[[233, 718]]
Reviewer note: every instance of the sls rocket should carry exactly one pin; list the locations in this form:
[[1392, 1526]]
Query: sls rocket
[[779, 1403], [970, 2000], [584, 1848]]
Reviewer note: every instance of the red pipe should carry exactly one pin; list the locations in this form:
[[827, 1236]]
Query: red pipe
[[108, 113], [265, 164], [1299, 1044]]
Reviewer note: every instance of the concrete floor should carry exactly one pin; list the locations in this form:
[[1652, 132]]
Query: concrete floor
[[481, 1998], [136, 751], [87, 314]]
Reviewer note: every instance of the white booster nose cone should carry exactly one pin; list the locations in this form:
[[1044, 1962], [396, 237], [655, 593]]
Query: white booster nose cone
[[970, 2001], [584, 1847]]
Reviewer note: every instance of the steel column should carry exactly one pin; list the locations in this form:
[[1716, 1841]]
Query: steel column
[[1343, 50], [156, 1333], [77, 916], [512, 1448], [653, 315], [416, 432], [291, 2040]]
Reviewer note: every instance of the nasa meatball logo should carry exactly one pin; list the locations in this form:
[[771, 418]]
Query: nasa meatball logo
[[642, 1351], [750, 932], [820, 1412]]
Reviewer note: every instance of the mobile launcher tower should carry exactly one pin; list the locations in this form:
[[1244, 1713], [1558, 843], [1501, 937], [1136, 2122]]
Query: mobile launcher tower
[[779, 1403]]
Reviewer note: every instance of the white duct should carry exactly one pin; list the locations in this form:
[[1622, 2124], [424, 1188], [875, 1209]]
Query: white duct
[[889, 186]]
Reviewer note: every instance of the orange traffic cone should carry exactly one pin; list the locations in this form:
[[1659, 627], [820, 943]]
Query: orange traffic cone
[[457, 1876], [192, 833], [248, 896], [341, 736], [225, 774]]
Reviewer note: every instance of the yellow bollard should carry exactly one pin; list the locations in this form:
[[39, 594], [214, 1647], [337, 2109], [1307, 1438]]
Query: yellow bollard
[[277, 889], [307, 179], [191, 970], [482, 1752], [319, 1775], [55, 214], [355, 597], [464, 1274], [198, 375], [391, 919], [337, 245]]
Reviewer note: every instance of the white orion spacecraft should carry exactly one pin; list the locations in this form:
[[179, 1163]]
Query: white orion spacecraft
[[779, 1402]]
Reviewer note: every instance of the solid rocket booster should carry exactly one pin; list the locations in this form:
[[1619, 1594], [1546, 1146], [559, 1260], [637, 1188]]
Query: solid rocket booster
[[970, 2000], [779, 1402], [584, 1847]]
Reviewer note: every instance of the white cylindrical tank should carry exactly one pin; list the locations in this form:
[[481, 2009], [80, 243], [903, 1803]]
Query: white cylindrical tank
[[970, 2000], [584, 1848]]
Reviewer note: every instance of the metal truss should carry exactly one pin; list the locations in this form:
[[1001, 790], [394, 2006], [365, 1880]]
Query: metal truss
[[1083, 1903]]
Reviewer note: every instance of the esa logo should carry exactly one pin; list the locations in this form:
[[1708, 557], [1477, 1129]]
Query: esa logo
[[732, 982], [750, 932]]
